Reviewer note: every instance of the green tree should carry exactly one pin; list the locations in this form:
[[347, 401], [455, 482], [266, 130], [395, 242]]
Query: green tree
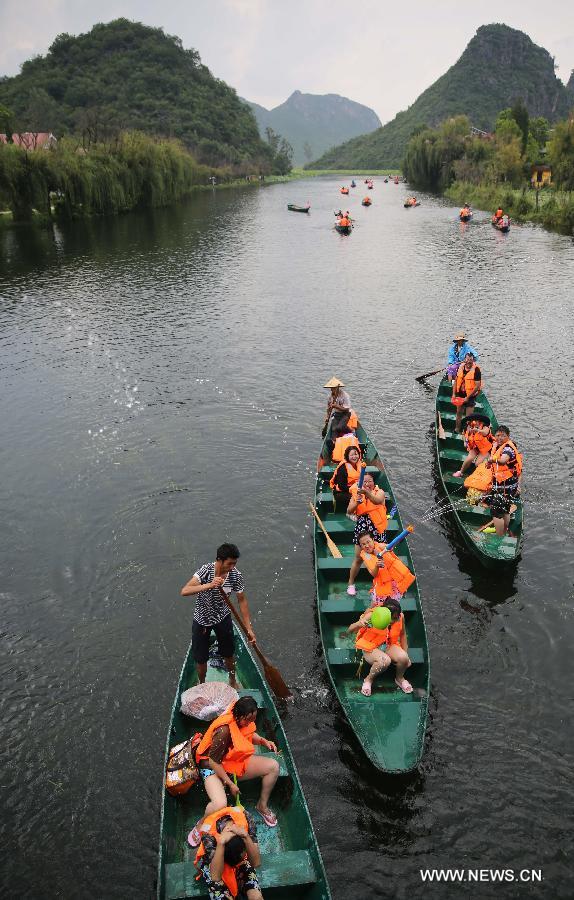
[[561, 154], [7, 123], [522, 119]]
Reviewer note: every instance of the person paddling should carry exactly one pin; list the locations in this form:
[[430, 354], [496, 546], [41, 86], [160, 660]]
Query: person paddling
[[368, 504], [228, 855], [456, 353], [227, 752], [381, 646], [506, 465], [478, 440], [211, 611], [466, 387], [498, 214], [338, 405]]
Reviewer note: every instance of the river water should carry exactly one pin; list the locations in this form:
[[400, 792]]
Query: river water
[[161, 393]]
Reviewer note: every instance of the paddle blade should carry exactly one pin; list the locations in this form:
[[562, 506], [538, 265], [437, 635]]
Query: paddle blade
[[275, 681], [428, 374], [441, 432], [333, 549]]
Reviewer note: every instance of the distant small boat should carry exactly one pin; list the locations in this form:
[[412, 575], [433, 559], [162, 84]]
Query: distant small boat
[[366, 202], [386, 180], [465, 218], [497, 223], [353, 184], [396, 179], [344, 229], [408, 203], [294, 208], [344, 190]]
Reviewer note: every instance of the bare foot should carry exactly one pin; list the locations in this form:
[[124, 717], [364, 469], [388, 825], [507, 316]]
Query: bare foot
[[367, 688]]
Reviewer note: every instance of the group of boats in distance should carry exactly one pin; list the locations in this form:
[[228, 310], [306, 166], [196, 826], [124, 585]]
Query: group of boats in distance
[[499, 220]]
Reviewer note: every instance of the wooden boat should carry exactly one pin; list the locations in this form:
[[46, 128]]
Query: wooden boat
[[370, 186], [491, 549], [343, 229], [386, 180], [366, 202], [353, 184], [465, 218], [291, 861], [294, 208], [408, 205], [344, 190], [389, 725]]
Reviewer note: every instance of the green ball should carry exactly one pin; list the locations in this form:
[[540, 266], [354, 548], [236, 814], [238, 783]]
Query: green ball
[[381, 617]]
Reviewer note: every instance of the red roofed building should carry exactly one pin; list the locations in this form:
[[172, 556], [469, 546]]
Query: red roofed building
[[32, 140]]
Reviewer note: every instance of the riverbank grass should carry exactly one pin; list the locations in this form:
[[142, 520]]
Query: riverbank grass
[[554, 210]]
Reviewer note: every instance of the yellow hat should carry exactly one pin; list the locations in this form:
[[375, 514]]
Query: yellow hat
[[334, 382], [460, 336]]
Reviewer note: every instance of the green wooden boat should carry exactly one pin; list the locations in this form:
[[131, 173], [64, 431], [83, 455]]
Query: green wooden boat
[[344, 229], [491, 549], [294, 208], [290, 859], [389, 725]]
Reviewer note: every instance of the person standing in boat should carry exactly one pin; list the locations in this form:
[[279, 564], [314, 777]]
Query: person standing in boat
[[227, 753], [506, 465], [381, 646], [229, 854], [457, 351], [369, 506], [466, 387], [212, 612]]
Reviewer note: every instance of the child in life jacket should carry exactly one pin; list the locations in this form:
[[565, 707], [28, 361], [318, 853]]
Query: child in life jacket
[[229, 854], [391, 578], [382, 646]]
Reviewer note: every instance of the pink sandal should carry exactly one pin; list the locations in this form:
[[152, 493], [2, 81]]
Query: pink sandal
[[269, 818], [405, 686]]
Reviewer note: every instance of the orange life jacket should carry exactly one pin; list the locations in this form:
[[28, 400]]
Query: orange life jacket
[[499, 213], [480, 479], [341, 444], [343, 220], [353, 420], [352, 474], [504, 471], [393, 570], [377, 512], [209, 826], [242, 748], [476, 440], [462, 376], [395, 631], [369, 638]]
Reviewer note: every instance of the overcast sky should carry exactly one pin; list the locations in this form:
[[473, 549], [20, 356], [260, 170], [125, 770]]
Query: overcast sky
[[373, 51]]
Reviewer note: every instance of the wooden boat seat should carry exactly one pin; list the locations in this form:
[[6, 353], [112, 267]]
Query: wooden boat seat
[[341, 656], [354, 606], [340, 524], [257, 696], [327, 497], [329, 469], [456, 455], [287, 869], [332, 563]]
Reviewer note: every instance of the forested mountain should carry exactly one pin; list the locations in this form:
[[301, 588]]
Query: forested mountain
[[125, 75], [314, 122], [499, 66]]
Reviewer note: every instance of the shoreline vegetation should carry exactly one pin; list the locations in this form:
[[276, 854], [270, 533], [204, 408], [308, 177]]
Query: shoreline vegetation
[[502, 168], [135, 171]]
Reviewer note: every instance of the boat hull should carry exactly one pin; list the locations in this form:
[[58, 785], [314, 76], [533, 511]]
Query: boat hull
[[291, 861], [465, 218], [389, 725], [491, 550], [343, 229], [294, 208]]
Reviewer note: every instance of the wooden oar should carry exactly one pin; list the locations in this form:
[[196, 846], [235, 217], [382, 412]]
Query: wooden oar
[[272, 675], [428, 374], [441, 431], [334, 550]]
